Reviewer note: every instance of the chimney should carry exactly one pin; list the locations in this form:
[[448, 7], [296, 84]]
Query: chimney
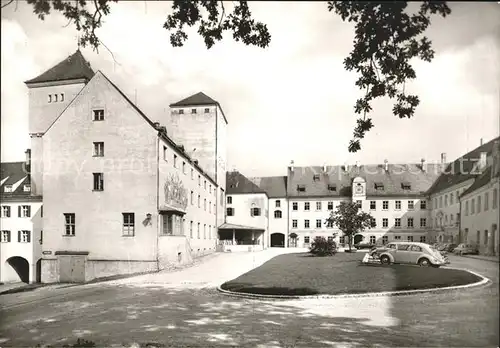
[[28, 157], [422, 165], [443, 158], [291, 165], [481, 142], [482, 160], [386, 165], [156, 125], [324, 168]]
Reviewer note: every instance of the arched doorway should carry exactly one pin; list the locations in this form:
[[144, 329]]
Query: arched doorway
[[277, 240], [17, 269], [39, 271], [358, 238]]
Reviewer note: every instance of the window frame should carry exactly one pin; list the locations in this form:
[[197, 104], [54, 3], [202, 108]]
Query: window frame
[[128, 224], [69, 223]]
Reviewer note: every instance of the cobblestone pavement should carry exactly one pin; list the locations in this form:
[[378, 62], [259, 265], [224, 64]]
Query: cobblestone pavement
[[124, 313]]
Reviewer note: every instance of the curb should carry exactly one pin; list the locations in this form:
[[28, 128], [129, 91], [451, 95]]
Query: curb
[[482, 259], [483, 281]]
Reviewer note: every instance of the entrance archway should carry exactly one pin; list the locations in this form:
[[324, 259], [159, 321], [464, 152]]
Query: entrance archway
[[39, 271], [17, 270], [277, 240], [358, 238]]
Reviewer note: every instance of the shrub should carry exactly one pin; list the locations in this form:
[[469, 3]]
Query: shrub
[[322, 247]]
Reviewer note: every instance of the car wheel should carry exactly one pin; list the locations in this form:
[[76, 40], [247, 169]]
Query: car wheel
[[385, 260], [424, 262]]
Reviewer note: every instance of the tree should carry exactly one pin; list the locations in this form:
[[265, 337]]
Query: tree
[[350, 220], [322, 247], [387, 38]]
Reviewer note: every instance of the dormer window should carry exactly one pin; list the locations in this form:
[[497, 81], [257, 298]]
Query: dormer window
[[62, 97], [379, 186], [8, 188], [406, 186], [181, 111], [55, 98], [301, 188], [50, 98], [207, 110], [332, 188], [27, 188], [193, 111], [316, 177]]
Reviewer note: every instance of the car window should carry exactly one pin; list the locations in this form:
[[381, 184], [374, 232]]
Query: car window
[[391, 246], [403, 247], [415, 248]]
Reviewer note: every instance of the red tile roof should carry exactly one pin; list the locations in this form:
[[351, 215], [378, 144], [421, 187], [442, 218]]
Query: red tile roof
[[71, 68]]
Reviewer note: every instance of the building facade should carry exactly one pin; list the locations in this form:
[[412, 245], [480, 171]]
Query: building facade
[[20, 225], [111, 177]]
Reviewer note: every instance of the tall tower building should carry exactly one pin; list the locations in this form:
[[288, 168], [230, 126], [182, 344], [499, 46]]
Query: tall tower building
[[49, 94], [199, 124]]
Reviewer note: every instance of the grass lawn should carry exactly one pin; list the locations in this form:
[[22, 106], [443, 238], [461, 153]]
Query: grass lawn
[[302, 274]]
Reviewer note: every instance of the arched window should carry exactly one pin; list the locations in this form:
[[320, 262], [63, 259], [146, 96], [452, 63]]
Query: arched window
[[277, 214]]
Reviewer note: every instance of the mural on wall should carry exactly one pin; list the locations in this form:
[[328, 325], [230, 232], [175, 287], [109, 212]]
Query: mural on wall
[[175, 193]]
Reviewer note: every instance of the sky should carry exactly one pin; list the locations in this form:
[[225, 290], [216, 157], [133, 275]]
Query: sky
[[290, 101]]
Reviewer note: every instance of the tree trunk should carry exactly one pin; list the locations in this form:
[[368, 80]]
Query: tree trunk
[[350, 242]]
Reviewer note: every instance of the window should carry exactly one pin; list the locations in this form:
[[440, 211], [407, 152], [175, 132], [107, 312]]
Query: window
[[478, 204], [193, 111], [98, 181], [205, 204], [422, 239], [406, 186], [5, 211], [359, 204], [451, 198], [403, 247], [373, 205], [128, 224], [191, 229], [175, 161], [255, 212], [316, 177], [398, 205], [209, 188], [495, 199], [229, 200], [423, 204], [332, 188], [8, 188], [318, 223], [445, 200], [98, 149], [277, 214], [451, 219], [209, 231], [23, 236], [27, 188], [62, 97], [441, 202], [24, 211], [184, 167], [467, 208], [164, 153], [205, 184], [385, 240], [330, 239], [411, 205], [306, 205], [306, 239], [486, 201], [294, 223], [410, 238], [397, 222], [373, 222], [301, 188], [373, 240], [192, 197], [5, 237], [204, 231], [397, 237], [485, 241], [295, 206], [55, 98], [50, 98], [306, 223], [385, 222], [199, 180], [69, 224], [98, 114], [198, 231], [41, 211], [473, 206], [342, 240], [199, 201], [207, 110], [210, 206], [385, 205], [415, 247], [423, 222], [409, 222], [192, 173], [278, 203], [181, 111], [318, 205], [330, 205]]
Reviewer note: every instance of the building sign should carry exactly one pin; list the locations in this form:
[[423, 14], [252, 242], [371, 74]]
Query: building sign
[[175, 193]]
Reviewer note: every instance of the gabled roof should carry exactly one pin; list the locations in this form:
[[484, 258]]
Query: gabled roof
[[481, 181], [238, 183], [199, 98], [462, 169], [275, 186], [316, 180], [15, 172], [72, 68]]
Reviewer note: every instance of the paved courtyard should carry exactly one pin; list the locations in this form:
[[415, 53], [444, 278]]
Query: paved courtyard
[[182, 309]]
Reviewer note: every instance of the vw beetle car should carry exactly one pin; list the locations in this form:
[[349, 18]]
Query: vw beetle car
[[409, 253]]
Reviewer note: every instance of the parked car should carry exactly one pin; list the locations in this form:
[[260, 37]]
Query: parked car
[[463, 249], [409, 253], [364, 246]]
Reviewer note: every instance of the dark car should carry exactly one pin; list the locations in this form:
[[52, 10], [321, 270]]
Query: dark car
[[364, 246]]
